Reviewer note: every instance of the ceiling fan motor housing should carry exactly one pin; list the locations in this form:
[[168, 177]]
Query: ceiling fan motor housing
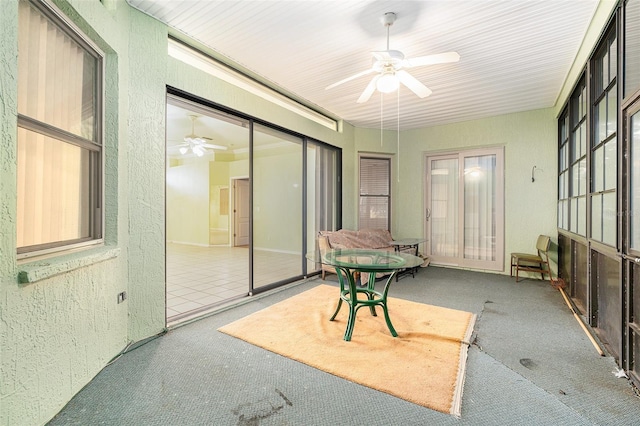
[[389, 18]]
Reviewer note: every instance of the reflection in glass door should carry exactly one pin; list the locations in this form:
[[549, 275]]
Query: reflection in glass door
[[465, 209]]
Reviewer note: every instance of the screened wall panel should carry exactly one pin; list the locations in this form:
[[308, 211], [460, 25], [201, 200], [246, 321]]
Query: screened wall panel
[[632, 48], [578, 161], [580, 283], [604, 153], [563, 171], [605, 276]]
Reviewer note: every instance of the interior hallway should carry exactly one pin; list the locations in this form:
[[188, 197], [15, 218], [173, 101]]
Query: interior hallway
[[530, 364]]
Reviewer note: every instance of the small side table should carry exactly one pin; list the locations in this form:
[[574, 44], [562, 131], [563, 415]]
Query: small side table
[[410, 246]]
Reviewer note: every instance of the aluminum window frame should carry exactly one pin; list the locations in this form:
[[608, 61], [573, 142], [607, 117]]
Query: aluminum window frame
[[95, 175]]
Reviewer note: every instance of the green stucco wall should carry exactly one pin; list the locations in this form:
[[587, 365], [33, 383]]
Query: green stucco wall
[[59, 330], [528, 138], [62, 326]]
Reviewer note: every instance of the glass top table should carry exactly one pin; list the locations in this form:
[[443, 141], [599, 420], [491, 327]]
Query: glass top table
[[410, 242], [366, 260], [407, 245], [348, 262]]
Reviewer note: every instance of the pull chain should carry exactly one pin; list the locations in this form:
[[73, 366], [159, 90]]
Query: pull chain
[[398, 135]]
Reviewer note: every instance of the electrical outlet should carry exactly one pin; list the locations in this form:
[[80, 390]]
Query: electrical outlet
[[122, 297]]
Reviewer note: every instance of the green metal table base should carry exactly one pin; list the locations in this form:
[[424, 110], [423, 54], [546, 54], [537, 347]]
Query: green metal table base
[[349, 294]]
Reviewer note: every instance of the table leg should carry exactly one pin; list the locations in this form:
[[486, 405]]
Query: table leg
[[415, 253], [374, 298], [343, 274], [385, 308]]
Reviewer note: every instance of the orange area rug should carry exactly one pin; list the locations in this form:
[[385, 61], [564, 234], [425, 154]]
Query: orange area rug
[[425, 364]]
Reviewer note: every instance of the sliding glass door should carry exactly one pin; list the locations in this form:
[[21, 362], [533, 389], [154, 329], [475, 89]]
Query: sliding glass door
[[244, 203], [464, 218]]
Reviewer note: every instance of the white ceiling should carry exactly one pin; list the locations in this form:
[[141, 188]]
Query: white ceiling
[[515, 54]]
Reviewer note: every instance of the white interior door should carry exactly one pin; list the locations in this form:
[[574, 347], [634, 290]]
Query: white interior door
[[241, 212]]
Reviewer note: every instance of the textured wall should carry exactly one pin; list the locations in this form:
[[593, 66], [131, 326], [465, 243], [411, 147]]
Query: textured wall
[[59, 330], [146, 69], [9, 383]]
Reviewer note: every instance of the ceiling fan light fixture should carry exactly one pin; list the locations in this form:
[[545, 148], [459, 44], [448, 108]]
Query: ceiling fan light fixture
[[183, 150], [387, 83], [198, 150]]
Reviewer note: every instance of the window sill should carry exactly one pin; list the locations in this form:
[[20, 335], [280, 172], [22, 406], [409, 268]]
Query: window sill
[[42, 269]]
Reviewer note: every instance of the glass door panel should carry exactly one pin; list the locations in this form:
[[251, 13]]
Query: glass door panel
[[631, 254], [442, 215], [277, 207], [479, 207], [634, 181], [322, 194]]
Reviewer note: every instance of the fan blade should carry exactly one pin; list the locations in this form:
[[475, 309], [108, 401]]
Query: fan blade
[[414, 85], [220, 147], [353, 77], [368, 91], [440, 58]]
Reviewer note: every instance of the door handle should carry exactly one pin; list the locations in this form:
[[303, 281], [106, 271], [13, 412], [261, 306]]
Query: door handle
[[428, 214], [630, 258]]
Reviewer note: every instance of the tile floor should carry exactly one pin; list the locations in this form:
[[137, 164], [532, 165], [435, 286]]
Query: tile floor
[[199, 278]]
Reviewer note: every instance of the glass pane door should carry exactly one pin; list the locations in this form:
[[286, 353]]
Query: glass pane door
[[631, 255], [465, 209], [277, 207]]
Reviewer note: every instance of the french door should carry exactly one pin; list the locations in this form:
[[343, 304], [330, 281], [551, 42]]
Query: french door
[[631, 242], [465, 208]]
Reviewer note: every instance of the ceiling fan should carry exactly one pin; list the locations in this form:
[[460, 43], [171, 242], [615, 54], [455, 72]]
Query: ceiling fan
[[390, 68], [197, 144]]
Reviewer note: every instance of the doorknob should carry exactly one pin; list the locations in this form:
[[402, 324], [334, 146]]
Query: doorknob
[[428, 214]]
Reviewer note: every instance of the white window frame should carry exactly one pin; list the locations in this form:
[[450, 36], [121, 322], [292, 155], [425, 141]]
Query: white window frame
[[365, 156]]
